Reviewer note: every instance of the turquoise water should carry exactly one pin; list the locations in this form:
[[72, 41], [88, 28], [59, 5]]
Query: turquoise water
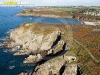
[[9, 21]]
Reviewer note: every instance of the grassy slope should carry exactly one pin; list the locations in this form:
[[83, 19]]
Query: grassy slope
[[86, 48]]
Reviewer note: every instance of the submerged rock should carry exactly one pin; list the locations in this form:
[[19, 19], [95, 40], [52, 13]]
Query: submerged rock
[[3, 44]]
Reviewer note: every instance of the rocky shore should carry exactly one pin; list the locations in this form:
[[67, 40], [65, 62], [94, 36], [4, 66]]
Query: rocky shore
[[47, 46], [37, 37], [3, 44], [56, 66]]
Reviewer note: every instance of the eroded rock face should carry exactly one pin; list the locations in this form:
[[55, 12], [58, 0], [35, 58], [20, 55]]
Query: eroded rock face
[[56, 66], [32, 58], [46, 45], [36, 37]]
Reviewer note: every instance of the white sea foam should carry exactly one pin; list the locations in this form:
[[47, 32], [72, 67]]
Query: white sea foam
[[9, 31], [11, 67], [3, 39]]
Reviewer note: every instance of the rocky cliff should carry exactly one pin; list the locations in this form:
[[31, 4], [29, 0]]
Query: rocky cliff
[[56, 66], [47, 46], [36, 37]]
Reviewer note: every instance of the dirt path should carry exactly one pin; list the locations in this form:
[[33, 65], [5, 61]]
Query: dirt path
[[86, 50]]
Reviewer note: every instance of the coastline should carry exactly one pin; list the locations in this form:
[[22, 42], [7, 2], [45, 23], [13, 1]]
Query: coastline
[[69, 59], [35, 58], [48, 16], [91, 23], [49, 45], [95, 23]]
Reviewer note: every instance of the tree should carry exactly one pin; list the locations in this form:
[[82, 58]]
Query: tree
[[30, 10]]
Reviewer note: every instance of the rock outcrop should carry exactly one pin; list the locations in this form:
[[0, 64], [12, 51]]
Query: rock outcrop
[[33, 58], [36, 37], [46, 45], [3, 44], [56, 66]]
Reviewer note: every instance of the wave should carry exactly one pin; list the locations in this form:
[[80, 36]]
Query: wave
[[3, 39], [9, 31], [11, 67]]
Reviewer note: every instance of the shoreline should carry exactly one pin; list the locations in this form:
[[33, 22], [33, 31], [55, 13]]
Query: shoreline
[[66, 17], [91, 23], [47, 16]]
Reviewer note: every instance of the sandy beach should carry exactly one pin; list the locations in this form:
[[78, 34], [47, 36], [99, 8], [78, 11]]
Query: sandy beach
[[91, 23]]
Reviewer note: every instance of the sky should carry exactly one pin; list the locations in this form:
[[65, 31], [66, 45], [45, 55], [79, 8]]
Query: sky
[[61, 2]]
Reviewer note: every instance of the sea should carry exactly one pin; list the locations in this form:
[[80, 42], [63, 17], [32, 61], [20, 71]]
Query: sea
[[13, 65]]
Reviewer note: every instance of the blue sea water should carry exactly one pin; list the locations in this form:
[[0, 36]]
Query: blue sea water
[[9, 64]]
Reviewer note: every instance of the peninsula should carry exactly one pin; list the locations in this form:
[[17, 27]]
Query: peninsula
[[91, 14], [57, 48]]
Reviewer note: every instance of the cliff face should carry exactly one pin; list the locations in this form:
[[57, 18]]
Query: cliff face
[[57, 66], [35, 37], [47, 46]]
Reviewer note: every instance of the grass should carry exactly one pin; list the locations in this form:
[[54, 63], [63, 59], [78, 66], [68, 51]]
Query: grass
[[89, 61], [70, 53], [88, 65], [66, 9], [87, 50]]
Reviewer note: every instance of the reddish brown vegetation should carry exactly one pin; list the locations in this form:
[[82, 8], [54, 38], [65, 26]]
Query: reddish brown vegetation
[[90, 39]]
